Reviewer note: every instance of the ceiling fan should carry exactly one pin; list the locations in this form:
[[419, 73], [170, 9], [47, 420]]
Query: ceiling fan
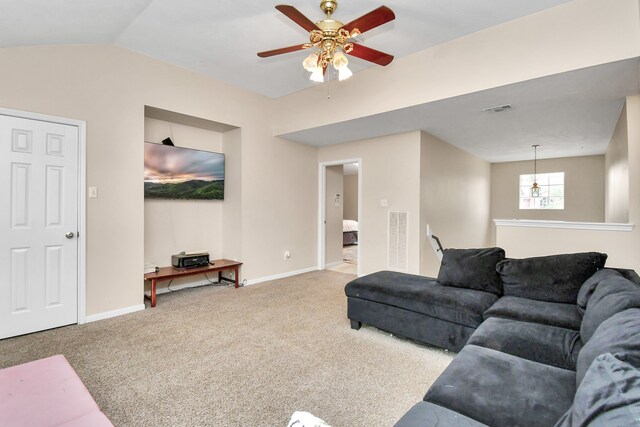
[[332, 39]]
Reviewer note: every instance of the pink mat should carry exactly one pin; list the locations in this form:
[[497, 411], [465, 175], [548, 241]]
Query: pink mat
[[47, 392]]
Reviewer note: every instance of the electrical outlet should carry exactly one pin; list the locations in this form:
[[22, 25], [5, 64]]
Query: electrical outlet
[[287, 255]]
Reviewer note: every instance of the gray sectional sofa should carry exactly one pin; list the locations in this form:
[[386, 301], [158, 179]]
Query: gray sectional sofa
[[542, 341]]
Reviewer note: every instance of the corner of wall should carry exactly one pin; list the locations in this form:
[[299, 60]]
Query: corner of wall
[[616, 173], [455, 199]]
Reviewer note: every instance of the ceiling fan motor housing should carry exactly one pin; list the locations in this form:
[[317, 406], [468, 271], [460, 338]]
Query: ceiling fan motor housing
[[329, 6]]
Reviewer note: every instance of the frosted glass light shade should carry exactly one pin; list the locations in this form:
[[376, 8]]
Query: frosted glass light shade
[[316, 75]]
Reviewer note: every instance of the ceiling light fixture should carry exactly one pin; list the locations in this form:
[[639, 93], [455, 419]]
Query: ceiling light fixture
[[535, 189], [330, 40]]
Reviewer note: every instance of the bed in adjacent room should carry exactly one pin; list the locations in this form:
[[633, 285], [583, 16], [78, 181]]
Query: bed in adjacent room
[[349, 232]]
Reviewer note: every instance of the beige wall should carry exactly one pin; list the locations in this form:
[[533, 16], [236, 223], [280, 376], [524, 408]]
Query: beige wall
[[389, 168], [334, 205], [622, 247], [583, 189], [433, 181], [351, 197], [108, 87], [616, 178], [455, 191], [232, 206]]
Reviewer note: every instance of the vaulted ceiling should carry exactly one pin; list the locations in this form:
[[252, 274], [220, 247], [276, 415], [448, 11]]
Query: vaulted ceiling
[[572, 114]]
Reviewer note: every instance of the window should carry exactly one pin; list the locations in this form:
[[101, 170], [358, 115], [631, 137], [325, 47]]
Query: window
[[551, 191]]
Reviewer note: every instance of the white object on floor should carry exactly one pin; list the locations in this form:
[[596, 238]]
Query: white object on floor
[[305, 419]]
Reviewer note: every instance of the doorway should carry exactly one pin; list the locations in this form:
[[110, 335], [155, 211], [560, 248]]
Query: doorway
[[339, 231], [42, 224]]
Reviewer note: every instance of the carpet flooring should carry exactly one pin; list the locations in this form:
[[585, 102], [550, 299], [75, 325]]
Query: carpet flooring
[[218, 356], [350, 254]]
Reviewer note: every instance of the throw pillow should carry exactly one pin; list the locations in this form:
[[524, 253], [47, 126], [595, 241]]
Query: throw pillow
[[611, 296], [618, 335], [608, 396], [589, 286], [554, 278], [471, 269]]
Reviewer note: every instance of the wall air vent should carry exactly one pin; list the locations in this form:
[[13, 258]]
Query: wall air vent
[[398, 245], [498, 109]]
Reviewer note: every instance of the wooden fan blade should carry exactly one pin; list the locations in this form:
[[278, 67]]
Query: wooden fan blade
[[371, 55], [296, 16], [371, 20], [280, 51]]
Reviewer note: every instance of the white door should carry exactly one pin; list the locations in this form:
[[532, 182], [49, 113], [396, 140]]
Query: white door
[[38, 225]]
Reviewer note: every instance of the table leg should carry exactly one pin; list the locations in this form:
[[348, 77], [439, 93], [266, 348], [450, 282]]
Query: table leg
[[153, 292], [220, 276], [237, 277]]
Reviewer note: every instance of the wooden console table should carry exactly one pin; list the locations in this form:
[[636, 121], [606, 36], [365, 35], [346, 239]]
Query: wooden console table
[[167, 273]]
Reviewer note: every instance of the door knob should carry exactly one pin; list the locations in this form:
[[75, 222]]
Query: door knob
[[69, 235]]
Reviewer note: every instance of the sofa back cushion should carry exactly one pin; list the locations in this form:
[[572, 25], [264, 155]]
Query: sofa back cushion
[[609, 395], [554, 278], [618, 335], [472, 269], [589, 286], [611, 296]]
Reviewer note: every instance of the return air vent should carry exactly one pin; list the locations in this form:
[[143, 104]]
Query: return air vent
[[497, 109], [398, 247]]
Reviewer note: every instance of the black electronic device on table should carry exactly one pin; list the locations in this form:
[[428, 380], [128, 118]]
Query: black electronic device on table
[[191, 260]]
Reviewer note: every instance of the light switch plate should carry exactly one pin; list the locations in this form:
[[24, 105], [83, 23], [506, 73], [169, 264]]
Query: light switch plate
[[93, 192]]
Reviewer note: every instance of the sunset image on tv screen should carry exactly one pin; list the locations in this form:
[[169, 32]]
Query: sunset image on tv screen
[[182, 173]]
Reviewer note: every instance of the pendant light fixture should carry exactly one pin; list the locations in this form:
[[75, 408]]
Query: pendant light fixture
[[535, 189]]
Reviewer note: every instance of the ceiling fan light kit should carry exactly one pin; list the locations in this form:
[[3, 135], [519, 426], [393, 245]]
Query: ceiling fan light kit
[[332, 39]]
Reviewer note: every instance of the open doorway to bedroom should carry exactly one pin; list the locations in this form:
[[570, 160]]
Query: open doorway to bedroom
[[339, 225]]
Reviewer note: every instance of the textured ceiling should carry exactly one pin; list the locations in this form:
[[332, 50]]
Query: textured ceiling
[[568, 115], [221, 38]]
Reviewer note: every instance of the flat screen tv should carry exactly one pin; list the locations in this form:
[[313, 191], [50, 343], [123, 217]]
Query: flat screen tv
[[182, 173]]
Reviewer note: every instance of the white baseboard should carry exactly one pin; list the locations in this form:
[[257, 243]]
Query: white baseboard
[[280, 276], [114, 313], [333, 264]]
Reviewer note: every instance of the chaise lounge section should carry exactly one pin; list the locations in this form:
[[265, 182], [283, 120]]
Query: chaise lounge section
[[563, 331]]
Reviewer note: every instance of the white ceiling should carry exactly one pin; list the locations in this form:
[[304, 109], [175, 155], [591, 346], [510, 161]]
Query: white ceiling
[[221, 38], [570, 114]]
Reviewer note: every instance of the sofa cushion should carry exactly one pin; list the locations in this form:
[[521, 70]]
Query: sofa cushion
[[546, 344], [609, 395], [472, 269], [618, 335], [425, 414], [554, 278], [629, 274], [422, 295], [611, 296], [499, 389], [589, 286], [526, 310]]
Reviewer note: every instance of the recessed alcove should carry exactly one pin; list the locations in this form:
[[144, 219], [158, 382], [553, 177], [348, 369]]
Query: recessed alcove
[[173, 226]]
